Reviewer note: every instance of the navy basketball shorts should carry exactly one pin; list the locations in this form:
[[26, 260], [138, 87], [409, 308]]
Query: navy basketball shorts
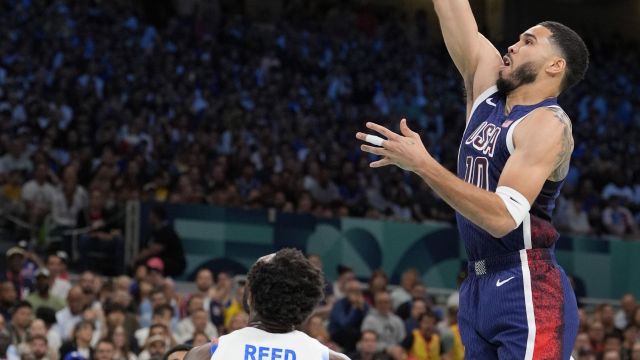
[[518, 306]]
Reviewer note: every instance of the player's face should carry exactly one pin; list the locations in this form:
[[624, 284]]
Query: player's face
[[525, 59]]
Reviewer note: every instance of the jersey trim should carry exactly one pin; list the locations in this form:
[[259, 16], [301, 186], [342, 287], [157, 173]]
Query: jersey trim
[[526, 231], [510, 146], [528, 300], [480, 99]]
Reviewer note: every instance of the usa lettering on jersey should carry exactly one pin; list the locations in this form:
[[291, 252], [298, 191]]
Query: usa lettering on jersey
[[485, 138], [252, 352]]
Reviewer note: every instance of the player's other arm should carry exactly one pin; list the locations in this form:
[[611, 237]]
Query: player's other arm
[[543, 146], [475, 57]]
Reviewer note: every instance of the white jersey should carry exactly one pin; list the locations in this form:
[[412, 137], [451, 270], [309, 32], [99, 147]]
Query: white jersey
[[255, 344]]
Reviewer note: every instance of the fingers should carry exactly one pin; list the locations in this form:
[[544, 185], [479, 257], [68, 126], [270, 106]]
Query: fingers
[[374, 150], [380, 163], [383, 130], [404, 129]]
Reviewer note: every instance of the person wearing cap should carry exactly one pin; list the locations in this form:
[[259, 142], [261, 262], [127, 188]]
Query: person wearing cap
[[16, 257], [154, 348], [42, 297]]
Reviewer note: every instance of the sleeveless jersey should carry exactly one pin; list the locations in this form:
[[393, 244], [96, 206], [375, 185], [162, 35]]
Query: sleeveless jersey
[[255, 344], [484, 150]]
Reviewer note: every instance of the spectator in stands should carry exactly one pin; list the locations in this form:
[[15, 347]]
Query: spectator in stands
[[57, 266], [38, 328], [162, 316], [345, 275], [164, 243], [635, 354], [238, 321], [625, 314], [611, 355], [347, 316], [597, 336], [16, 260], [618, 219], [42, 297], [122, 350], [177, 352], [418, 307], [104, 238], [17, 158], [613, 342], [196, 321], [402, 294], [68, 202], [37, 349], [104, 350], [81, 340], [452, 346], [377, 282], [314, 327], [46, 317], [8, 298], [424, 342], [367, 348], [418, 292], [382, 320], [20, 321], [607, 316], [236, 305], [578, 219], [38, 194], [154, 348], [327, 303], [71, 315], [582, 347], [204, 287], [630, 337]]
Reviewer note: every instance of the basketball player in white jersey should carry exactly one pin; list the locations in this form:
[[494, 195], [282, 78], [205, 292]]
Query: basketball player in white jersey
[[282, 290]]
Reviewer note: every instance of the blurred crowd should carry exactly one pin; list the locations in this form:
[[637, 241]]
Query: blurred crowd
[[48, 314], [220, 110], [98, 106]]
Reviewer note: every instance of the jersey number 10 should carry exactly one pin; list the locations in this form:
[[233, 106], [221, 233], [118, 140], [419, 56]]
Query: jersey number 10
[[477, 171]]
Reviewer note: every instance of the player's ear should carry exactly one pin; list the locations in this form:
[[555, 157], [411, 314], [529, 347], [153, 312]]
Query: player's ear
[[556, 66]]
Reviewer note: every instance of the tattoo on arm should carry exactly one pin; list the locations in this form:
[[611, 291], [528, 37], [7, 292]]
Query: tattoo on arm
[[564, 157]]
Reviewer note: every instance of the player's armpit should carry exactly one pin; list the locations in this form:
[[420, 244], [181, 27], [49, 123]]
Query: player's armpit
[[543, 146]]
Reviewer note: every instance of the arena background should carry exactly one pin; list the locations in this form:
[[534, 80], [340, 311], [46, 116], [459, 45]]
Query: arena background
[[229, 114]]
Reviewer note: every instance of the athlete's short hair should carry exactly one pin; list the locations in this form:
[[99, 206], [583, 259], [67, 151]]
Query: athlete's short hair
[[573, 49], [285, 288]]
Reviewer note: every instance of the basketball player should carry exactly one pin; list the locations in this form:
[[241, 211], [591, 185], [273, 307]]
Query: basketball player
[[517, 302], [282, 290]]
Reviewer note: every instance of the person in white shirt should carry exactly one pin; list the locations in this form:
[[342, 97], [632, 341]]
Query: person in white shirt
[[38, 195], [187, 326], [282, 290]]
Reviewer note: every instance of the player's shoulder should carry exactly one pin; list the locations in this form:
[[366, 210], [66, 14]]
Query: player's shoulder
[[546, 121]]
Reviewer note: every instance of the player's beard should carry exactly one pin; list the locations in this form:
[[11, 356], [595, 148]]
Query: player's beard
[[522, 75]]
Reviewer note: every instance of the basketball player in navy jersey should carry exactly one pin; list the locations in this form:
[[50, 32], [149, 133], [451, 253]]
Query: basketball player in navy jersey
[[517, 302]]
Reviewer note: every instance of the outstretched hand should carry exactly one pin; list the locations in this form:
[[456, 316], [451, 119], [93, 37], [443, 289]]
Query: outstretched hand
[[405, 151]]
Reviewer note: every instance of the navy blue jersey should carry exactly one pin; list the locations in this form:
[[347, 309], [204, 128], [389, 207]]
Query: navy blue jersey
[[484, 150]]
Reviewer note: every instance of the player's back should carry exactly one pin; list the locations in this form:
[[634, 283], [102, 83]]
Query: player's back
[[255, 344]]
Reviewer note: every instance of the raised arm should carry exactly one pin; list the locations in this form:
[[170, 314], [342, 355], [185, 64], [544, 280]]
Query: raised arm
[[475, 57]]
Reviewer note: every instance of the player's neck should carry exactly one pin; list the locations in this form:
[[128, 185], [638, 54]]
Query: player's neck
[[529, 94], [258, 322]]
